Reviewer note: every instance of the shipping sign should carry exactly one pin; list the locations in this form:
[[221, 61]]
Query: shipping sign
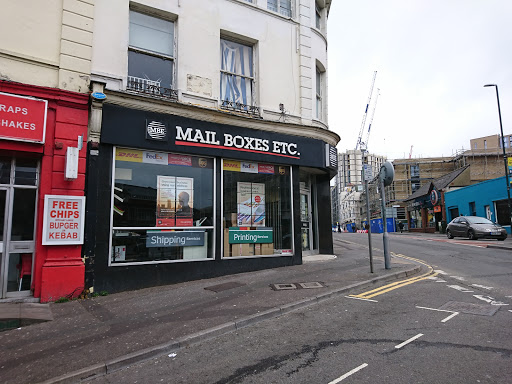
[[63, 221], [156, 239]]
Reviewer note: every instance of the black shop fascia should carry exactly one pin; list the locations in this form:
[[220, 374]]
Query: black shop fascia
[[169, 133]]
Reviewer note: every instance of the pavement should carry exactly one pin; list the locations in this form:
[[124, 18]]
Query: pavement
[[81, 339]]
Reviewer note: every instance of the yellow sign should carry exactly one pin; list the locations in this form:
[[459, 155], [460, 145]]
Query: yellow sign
[[509, 161], [132, 155], [230, 165]]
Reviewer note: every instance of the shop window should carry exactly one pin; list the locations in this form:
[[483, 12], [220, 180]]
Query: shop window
[[162, 207], [5, 170], [257, 209], [415, 219], [25, 172], [236, 76], [284, 7], [502, 213], [151, 55]]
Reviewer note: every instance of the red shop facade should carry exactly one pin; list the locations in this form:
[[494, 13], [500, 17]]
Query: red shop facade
[[42, 203]]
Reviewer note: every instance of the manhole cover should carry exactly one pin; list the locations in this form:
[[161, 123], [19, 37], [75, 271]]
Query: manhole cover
[[288, 286], [473, 309], [224, 286]]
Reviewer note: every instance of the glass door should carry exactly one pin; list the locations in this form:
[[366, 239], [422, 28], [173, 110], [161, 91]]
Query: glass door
[[3, 236], [305, 218], [18, 199]]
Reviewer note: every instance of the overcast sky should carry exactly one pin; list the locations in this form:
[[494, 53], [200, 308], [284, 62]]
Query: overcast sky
[[432, 59]]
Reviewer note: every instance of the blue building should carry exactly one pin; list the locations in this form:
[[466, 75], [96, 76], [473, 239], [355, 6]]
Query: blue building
[[486, 199]]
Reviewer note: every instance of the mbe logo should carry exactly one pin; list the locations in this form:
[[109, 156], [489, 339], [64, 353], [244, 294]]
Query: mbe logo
[[156, 130]]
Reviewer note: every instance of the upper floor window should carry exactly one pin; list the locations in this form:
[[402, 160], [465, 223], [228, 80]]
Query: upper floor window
[[318, 17], [150, 54], [485, 144], [415, 171], [236, 76], [319, 108], [284, 7]]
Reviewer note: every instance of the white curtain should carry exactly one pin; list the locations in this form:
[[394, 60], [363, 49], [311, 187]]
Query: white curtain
[[236, 86]]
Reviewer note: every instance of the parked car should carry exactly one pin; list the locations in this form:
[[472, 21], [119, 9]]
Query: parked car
[[474, 227]]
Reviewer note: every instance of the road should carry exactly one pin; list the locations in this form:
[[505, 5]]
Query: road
[[450, 324]]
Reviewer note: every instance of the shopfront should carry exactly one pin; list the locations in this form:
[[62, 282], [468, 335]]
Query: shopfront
[[181, 199], [39, 127], [425, 212]]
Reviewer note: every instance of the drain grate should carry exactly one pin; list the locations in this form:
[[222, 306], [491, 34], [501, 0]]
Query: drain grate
[[289, 286], [224, 286], [472, 309]]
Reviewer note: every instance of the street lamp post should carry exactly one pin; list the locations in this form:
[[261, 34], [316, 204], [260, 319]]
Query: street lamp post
[[504, 153]]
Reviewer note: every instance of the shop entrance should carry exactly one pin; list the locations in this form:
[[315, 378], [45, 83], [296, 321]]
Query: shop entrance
[[306, 221], [18, 196]]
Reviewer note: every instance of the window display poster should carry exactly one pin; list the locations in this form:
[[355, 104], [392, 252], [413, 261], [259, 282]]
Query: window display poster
[[184, 201], [175, 201], [166, 201], [251, 204]]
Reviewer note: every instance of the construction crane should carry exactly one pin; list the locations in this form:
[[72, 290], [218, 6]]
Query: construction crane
[[371, 119], [360, 144]]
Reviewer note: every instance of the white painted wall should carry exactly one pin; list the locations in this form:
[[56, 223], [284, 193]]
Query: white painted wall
[[198, 28], [47, 43]]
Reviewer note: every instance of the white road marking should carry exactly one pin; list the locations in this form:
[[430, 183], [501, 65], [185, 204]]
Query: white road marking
[[458, 278], [449, 317], [453, 314], [436, 279], [489, 300], [481, 286], [408, 341], [440, 272], [459, 288], [349, 374], [359, 298]]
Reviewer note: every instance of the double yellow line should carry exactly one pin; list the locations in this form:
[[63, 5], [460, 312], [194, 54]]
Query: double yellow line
[[398, 284]]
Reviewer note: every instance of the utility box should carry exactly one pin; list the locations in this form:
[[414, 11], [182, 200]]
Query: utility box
[[71, 171]]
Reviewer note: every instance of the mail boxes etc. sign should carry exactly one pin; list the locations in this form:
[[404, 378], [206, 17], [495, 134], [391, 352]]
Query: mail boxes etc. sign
[[63, 221], [22, 118]]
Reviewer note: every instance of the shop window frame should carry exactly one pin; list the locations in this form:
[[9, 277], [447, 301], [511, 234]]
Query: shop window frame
[[292, 210], [207, 228]]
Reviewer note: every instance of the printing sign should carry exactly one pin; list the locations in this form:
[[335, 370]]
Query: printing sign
[[259, 236], [63, 221], [22, 118], [156, 239]]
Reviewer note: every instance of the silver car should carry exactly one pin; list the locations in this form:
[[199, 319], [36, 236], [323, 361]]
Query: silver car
[[474, 227]]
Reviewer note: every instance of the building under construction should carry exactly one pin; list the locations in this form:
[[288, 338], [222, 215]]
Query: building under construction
[[484, 161]]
